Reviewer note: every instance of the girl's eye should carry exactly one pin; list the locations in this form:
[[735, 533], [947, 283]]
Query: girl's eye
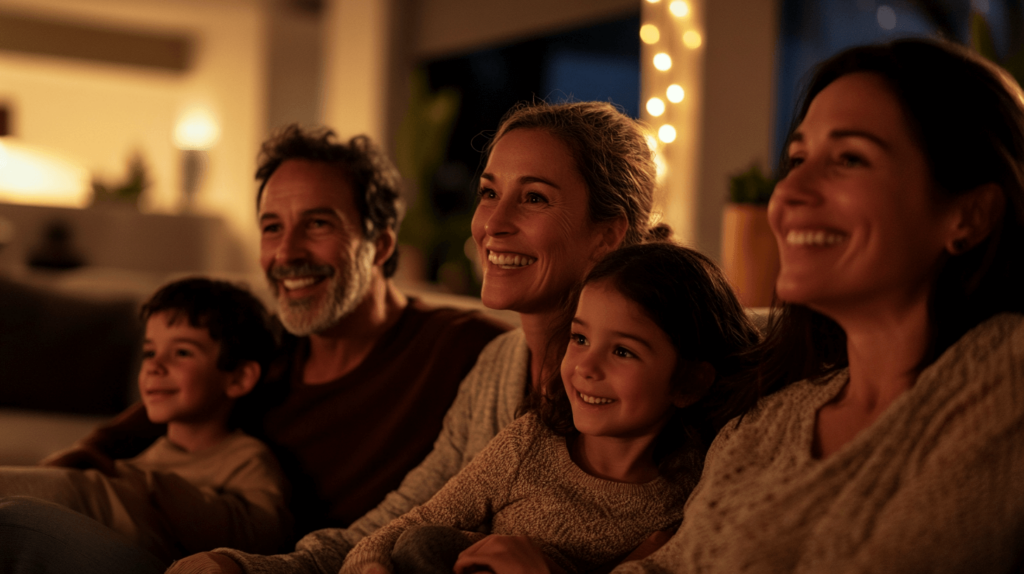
[[486, 193], [578, 339], [148, 353], [623, 352], [183, 353]]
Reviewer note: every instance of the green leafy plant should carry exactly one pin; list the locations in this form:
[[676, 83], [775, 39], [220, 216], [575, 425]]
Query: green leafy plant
[[127, 191], [751, 186]]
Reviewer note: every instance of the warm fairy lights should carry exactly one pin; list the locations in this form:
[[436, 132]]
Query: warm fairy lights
[[675, 93], [655, 107], [663, 61], [672, 53], [692, 39], [679, 9], [649, 34]]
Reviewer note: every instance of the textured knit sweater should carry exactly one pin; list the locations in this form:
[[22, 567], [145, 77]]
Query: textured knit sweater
[[486, 403], [935, 484], [172, 502], [525, 484]]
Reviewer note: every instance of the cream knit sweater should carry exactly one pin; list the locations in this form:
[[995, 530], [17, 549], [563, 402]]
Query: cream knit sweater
[[524, 483], [935, 484]]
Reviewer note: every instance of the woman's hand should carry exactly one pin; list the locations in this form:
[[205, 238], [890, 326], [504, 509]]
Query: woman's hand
[[205, 563], [82, 456], [505, 555]]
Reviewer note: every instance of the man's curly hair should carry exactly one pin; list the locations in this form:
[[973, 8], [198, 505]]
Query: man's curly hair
[[374, 178]]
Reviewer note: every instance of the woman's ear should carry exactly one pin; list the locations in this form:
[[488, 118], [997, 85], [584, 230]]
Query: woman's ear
[[243, 379], [699, 376], [611, 235], [977, 213]]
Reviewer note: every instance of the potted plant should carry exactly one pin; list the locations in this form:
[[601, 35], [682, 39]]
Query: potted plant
[[750, 257]]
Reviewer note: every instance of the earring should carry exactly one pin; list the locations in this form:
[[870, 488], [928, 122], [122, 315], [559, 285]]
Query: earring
[[959, 246]]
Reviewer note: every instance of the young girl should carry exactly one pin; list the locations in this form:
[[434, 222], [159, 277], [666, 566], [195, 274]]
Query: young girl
[[611, 453]]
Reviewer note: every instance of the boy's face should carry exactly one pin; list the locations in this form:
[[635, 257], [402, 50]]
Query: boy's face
[[179, 380]]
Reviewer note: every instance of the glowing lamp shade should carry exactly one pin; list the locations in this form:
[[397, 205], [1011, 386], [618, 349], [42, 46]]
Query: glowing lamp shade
[[692, 39], [33, 175], [655, 106], [667, 133], [662, 61], [679, 8], [649, 34], [196, 129]]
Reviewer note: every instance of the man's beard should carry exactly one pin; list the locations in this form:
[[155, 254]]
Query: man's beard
[[346, 289]]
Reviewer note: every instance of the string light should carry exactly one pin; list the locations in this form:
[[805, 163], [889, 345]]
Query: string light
[[675, 93], [667, 133], [679, 9], [662, 61], [692, 39], [649, 34], [655, 107]]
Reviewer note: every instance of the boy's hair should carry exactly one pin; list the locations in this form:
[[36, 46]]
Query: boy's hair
[[232, 316], [688, 297]]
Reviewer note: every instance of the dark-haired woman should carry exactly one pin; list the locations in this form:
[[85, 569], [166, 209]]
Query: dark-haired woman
[[893, 437]]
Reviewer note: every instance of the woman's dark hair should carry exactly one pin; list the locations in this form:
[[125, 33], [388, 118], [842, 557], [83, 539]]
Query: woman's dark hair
[[967, 116], [688, 297], [611, 154], [231, 315], [376, 183]]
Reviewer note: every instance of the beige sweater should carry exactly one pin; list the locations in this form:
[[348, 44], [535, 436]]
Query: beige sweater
[[173, 502], [936, 484], [524, 483]]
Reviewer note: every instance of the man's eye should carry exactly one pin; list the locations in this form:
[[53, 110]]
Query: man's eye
[[271, 228], [183, 352]]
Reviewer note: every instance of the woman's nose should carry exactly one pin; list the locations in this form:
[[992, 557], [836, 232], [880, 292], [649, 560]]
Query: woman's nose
[[802, 185], [501, 220]]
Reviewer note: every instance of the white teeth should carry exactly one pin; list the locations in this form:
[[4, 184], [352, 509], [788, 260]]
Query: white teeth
[[595, 400], [291, 284], [813, 237], [509, 261]]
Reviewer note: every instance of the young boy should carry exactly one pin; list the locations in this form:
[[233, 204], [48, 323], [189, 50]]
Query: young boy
[[202, 485]]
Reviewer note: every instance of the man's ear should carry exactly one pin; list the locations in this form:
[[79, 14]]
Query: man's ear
[[385, 243], [243, 379], [699, 377], [611, 234], [977, 213]]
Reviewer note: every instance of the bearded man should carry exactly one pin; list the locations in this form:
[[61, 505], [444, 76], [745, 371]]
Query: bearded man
[[365, 374]]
